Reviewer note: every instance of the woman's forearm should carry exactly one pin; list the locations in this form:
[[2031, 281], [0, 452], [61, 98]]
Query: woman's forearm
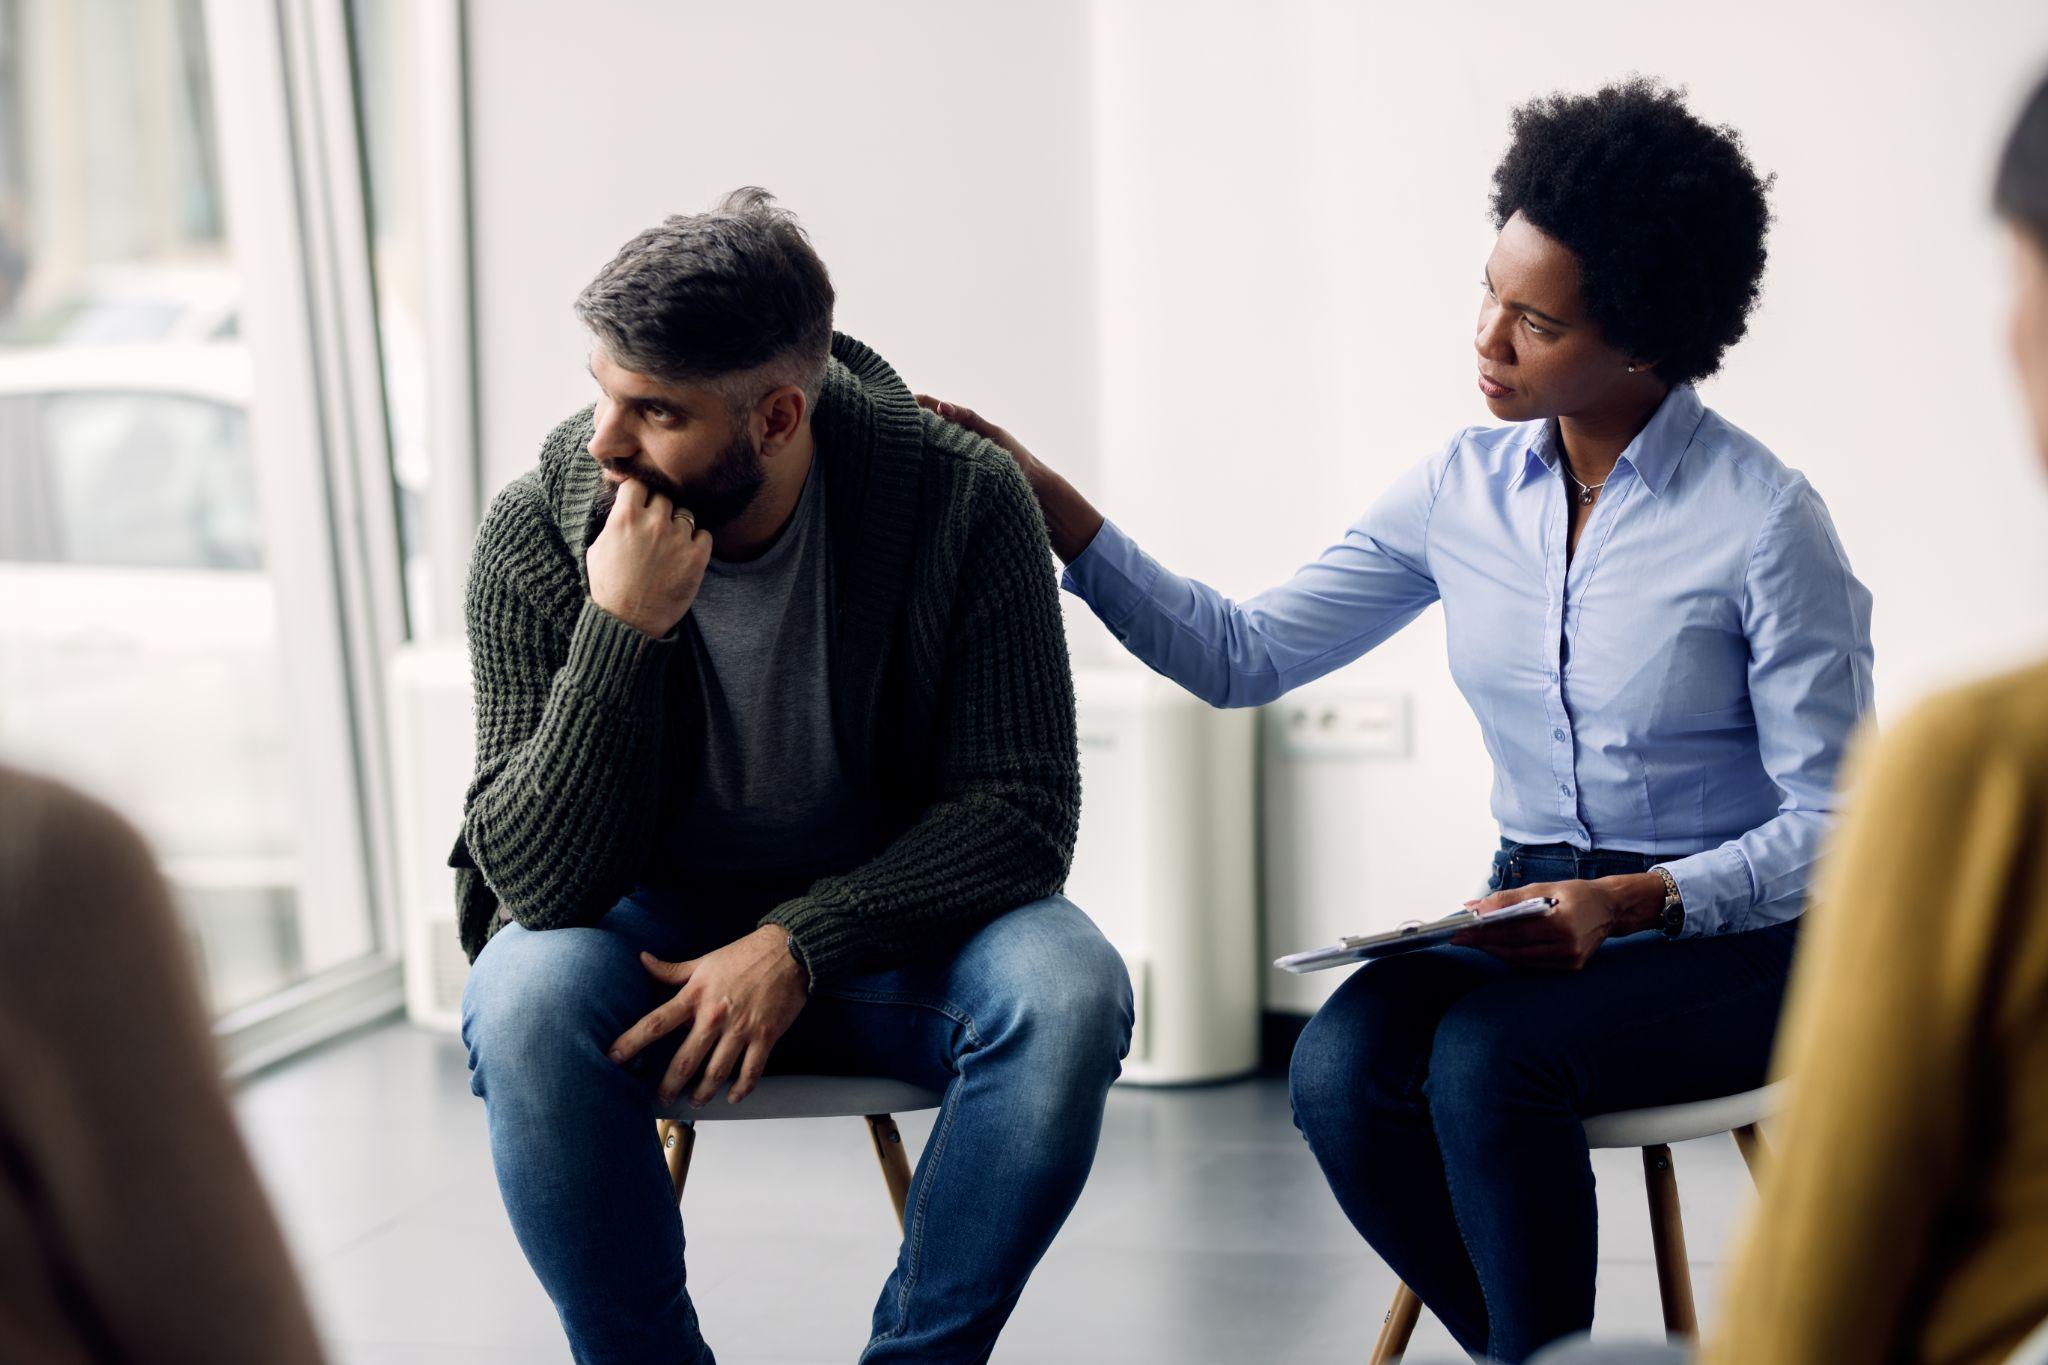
[[1070, 519]]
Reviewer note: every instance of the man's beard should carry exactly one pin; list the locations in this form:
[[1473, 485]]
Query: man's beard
[[719, 498]]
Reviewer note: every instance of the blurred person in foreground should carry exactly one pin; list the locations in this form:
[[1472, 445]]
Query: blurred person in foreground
[[776, 768], [1666, 651], [1904, 1209], [132, 1227]]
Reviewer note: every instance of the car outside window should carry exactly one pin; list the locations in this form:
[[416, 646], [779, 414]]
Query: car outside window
[[149, 480]]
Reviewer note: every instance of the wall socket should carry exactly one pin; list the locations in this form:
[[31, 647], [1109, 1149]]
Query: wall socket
[[1356, 725]]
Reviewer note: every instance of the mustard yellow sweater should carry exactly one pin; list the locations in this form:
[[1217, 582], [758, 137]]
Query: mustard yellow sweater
[[1904, 1212]]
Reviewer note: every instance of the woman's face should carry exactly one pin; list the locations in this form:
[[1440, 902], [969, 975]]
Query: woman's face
[[1539, 355], [2030, 330]]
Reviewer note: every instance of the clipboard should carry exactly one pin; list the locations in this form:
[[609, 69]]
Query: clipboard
[[1410, 936]]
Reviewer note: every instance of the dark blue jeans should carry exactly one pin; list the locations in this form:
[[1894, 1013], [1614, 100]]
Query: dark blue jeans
[[1443, 1095], [1023, 1027]]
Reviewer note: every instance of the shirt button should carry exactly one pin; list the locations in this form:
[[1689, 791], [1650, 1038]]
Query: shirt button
[[1553, 675], [1557, 734]]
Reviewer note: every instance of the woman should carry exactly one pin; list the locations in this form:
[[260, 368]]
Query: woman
[[1666, 652], [1905, 1212]]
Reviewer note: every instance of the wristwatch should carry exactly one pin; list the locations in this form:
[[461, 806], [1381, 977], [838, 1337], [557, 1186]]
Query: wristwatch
[[1670, 918]]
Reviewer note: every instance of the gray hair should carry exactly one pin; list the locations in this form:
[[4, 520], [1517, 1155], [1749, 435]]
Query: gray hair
[[735, 298]]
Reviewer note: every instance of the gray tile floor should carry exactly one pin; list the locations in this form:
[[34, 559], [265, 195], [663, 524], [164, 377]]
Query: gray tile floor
[[1205, 1234]]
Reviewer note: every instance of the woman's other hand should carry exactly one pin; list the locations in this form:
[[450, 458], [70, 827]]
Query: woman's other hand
[[1587, 914], [1069, 519]]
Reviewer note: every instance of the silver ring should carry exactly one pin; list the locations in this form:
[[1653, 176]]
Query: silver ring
[[681, 514]]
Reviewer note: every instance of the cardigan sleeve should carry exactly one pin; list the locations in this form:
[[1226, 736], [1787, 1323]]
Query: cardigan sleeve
[[568, 730]]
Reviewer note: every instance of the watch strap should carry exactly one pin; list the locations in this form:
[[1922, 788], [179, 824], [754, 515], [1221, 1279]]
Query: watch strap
[[1671, 917]]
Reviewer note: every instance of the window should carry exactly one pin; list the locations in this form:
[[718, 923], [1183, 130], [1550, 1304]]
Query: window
[[149, 481], [182, 628]]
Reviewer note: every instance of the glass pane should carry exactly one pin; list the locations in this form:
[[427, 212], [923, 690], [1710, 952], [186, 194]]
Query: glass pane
[[140, 652], [150, 480], [387, 67]]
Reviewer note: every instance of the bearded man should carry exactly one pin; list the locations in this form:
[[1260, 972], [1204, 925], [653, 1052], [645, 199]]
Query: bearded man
[[776, 769]]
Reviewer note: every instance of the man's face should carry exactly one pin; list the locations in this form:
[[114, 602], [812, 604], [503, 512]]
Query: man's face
[[678, 439]]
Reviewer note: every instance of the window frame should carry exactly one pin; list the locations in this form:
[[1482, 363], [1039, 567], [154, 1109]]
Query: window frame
[[291, 163]]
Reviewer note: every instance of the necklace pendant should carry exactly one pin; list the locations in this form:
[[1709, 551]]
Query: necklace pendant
[[1586, 498]]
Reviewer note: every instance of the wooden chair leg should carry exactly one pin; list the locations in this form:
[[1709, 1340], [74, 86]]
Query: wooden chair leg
[[895, 1165], [1750, 1143], [1667, 1236], [677, 1140], [1397, 1327]]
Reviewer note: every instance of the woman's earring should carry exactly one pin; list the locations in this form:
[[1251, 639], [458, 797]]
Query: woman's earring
[[1631, 369]]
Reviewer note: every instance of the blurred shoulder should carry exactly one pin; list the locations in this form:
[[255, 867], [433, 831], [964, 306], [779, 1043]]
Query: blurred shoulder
[[57, 839], [1994, 730]]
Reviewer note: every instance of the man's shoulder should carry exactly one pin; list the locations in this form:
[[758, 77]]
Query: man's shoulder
[[976, 476], [529, 506], [519, 513], [520, 548]]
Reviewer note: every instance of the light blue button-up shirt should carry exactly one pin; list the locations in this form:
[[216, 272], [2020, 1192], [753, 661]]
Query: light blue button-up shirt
[[1684, 688]]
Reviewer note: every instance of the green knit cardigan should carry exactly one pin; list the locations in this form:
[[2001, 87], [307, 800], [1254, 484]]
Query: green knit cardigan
[[952, 696]]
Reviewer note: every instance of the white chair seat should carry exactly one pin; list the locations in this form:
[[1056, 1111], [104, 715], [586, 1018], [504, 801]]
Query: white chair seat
[[1683, 1122], [811, 1097]]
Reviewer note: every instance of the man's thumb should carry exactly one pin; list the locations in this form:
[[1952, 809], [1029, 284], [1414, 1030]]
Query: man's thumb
[[675, 973]]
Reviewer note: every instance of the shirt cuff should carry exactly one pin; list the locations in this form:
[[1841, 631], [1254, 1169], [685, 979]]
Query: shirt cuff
[[1113, 576], [1715, 891]]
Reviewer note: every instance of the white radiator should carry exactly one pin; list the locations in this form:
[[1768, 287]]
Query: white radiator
[[433, 734], [1165, 865]]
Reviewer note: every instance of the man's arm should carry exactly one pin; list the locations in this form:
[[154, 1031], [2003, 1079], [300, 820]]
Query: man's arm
[[1000, 832], [568, 728]]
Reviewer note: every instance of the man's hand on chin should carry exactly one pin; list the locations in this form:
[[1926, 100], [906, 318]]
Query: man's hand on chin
[[734, 1004]]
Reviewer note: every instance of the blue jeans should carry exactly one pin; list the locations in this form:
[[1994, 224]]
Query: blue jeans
[[1443, 1095], [1023, 1027]]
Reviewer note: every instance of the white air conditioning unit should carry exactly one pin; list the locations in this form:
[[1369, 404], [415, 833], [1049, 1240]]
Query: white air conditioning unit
[[1165, 866], [433, 736]]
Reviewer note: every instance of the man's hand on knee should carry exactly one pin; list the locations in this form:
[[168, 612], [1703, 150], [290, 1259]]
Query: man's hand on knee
[[735, 1003]]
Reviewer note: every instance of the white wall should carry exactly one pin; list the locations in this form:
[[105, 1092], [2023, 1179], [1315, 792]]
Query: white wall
[[938, 153], [1219, 262]]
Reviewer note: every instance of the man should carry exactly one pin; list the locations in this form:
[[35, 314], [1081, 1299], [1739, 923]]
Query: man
[[776, 766]]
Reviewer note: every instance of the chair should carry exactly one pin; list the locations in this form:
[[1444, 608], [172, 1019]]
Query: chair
[[1653, 1130], [873, 1098]]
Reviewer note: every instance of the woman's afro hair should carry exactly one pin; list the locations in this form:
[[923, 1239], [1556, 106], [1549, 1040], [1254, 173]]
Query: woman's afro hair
[[1664, 212]]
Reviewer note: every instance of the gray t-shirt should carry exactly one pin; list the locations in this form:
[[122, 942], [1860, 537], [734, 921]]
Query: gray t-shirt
[[772, 797]]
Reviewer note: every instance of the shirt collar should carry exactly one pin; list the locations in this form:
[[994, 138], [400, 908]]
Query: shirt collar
[[1654, 453]]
